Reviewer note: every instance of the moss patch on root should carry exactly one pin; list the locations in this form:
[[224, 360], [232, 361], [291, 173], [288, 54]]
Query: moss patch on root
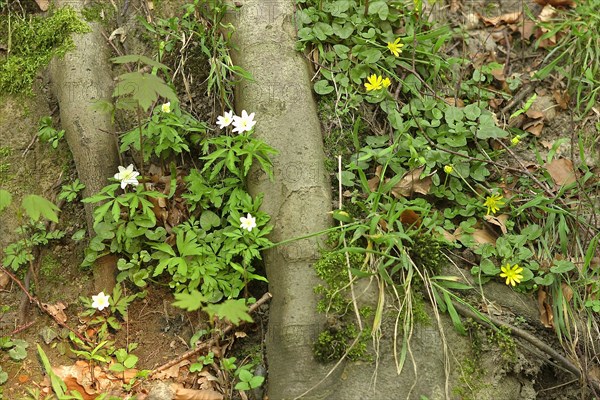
[[32, 43]]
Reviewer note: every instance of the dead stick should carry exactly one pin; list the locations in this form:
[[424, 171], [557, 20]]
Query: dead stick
[[22, 328], [266, 297], [40, 305]]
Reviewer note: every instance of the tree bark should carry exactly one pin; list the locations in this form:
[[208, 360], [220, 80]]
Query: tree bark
[[79, 79]]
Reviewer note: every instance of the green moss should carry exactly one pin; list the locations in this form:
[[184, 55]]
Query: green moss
[[336, 339], [98, 11], [332, 269], [5, 152], [33, 43], [51, 269], [426, 252], [471, 380]]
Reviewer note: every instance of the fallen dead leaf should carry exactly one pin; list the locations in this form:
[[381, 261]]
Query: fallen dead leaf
[[43, 4], [484, 235], [374, 181], [561, 170], [182, 393], [449, 236], [509, 18], [56, 310], [546, 316], [557, 3], [534, 127], [412, 183], [409, 218], [4, 279], [456, 102], [498, 220], [567, 291]]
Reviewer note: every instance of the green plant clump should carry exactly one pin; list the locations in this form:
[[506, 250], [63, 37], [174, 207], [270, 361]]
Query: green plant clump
[[32, 43], [335, 341], [331, 268]]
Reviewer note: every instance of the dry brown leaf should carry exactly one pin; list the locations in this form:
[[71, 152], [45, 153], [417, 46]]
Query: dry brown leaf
[[484, 235], [182, 393], [561, 170], [409, 218], [526, 30], [43, 4], [567, 291], [509, 18], [498, 74], [412, 183], [561, 98], [4, 279], [534, 114], [557, 3], [547, 13], [451, 237], [451, 101], [56, 310], [534, 127], [498, 220], [374, 181], [546, 316]]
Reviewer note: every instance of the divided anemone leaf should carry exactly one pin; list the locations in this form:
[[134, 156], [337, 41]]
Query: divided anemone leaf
[[143, 89]]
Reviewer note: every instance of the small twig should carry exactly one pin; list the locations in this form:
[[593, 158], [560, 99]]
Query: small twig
[[518, 97], [22, 327], [203, 346], [40, 305]]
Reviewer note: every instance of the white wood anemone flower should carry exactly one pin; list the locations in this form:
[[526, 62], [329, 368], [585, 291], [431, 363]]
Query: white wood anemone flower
[[100, 301], [248, 222], [225, 119], [127, 176], [245, 123]]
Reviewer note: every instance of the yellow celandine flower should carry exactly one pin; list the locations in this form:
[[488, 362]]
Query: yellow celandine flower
[[448, 169], [395, 47], [493, 203], [512, 274], [386, 82], [166, 107], [516, 140], [374, 82]]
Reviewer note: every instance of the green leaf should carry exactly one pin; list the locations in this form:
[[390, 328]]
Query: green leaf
[[36, 206], [322, 30], [189, 301], [487, 128], [472, 112], [18, 353], [143, 89], [130, 361], [3, 377], [5, 199], [209, 220], [343, 32], [58, 385], [323, 87], [234, 310], [370, 55], [561, 266], [245, 375], [380, 8]]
